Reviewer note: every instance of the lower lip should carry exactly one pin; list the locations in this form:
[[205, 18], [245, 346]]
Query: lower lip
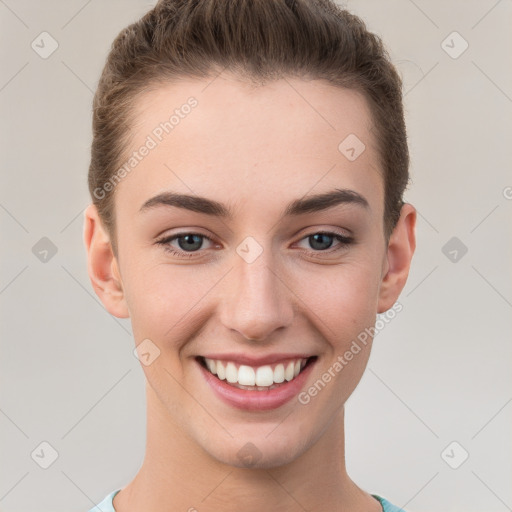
[[257, 400]]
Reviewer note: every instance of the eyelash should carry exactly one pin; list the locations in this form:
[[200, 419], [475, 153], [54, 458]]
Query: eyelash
[[345, 241]]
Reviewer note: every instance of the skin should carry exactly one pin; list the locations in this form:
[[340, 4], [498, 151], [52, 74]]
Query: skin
[[255, 149]]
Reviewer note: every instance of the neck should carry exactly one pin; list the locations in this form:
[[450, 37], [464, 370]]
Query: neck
[[177, 475]]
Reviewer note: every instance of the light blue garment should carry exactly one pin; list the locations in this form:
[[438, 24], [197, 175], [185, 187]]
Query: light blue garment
[[107, 506], [386, 505]]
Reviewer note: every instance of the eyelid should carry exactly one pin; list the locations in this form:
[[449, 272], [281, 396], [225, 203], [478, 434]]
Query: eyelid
[[192, 230], [331, 230]]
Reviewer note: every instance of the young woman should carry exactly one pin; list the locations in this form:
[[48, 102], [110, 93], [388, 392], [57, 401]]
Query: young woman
[[247, 175]]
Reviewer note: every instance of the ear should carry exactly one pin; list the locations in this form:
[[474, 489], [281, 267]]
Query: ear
[[102, 265], [401, 246]]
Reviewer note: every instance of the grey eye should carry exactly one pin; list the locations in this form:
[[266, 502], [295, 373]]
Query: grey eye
[[321, 241], [191, 242]]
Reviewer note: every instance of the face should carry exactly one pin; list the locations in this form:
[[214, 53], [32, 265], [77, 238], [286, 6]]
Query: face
[[266, 273]]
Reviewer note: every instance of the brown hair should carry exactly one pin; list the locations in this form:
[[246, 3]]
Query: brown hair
[[261, 40]]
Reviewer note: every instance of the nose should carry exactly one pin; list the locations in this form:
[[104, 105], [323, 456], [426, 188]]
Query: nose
[[257, 300]]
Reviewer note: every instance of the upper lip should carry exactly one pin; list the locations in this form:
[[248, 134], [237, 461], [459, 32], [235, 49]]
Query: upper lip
[[256, 361]]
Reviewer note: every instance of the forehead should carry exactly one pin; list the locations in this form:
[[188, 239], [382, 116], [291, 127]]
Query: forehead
[[227, 139]]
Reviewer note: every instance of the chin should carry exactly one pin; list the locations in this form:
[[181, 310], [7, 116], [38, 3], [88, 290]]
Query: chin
[[257, 452]]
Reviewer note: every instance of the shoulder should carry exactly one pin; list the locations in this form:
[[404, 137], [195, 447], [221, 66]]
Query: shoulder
[[107, 504]]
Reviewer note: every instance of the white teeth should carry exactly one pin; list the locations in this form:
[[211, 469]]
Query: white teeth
[[261, 378], [296, 369], [246, 376], [288, 373], [231, 373], [212, 365], [221, 371], [279, 373], [264, 376]]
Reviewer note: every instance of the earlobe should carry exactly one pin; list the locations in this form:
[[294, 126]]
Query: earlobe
[[102, 265], [401, 246]]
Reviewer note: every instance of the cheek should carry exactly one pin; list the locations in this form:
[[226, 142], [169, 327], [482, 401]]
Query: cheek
[[341, 300], [344, 302], [163, 300]]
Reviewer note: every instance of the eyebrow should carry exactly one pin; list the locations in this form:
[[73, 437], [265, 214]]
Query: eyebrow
[[309, 204]]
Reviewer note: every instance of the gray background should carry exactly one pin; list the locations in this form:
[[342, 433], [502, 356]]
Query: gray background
[[439, 372]]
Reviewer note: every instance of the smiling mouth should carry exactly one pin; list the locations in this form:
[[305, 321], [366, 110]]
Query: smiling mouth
[[256, 378]]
